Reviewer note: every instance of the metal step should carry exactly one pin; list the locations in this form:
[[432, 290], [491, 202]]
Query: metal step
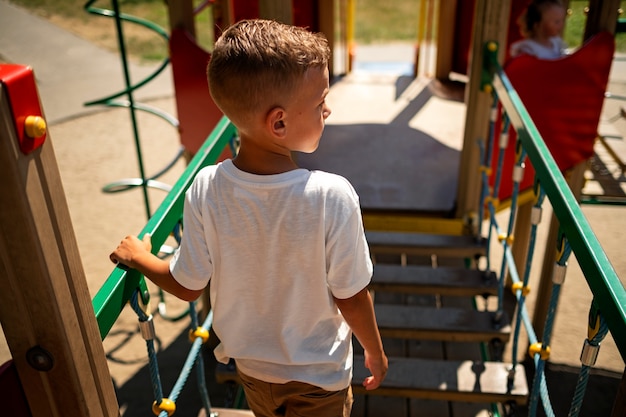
[[470, 381], [425, 244], [413, 279], [444, 324]]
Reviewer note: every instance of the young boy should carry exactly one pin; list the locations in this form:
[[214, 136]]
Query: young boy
[[283, 247]]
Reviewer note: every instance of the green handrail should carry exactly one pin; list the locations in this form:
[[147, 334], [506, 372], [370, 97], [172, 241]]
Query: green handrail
[[609, 293], [120, 285]]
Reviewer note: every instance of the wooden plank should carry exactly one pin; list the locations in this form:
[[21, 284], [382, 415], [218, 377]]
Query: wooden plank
[[426, 244], [45, 307], [445, 324], [471, 381], [414, 279]]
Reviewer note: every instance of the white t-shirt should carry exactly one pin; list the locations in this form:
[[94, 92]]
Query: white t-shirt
[[276, 249], [532, 47]]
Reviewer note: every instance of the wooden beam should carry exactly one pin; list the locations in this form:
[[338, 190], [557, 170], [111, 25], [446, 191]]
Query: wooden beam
[[45, 306], [327, 17], [602, 16], [279, 10], [491, 18], [181, 16], [445, 38]]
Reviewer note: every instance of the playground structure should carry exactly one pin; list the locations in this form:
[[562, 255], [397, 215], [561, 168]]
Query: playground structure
[[121, 284]]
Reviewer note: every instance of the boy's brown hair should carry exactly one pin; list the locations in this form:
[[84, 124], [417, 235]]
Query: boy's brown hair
[[257, 64]]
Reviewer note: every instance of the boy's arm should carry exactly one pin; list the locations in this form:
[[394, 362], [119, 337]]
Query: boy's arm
[[359, 314], [136, 254]]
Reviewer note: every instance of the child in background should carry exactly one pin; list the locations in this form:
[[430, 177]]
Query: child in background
[[541, 25], [283, 248]]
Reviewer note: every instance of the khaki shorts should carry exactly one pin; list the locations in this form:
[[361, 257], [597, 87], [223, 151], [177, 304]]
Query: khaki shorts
[[295, 399]]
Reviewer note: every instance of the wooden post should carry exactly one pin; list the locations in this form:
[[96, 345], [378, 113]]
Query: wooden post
[[279, 10], [521, 232], [445, 38], [491, 19], [45, 307], [602, 16], [327, 16], [575, 179], [181, 16]]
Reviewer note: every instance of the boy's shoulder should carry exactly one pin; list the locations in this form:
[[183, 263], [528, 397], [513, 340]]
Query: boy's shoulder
[[333, 185]]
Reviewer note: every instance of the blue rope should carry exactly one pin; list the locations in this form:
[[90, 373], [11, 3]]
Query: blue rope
[[532, 337], [547, 333], [596, 319], [204, 392], [485, 156], [521, 305], [152, 357], [188, 365]]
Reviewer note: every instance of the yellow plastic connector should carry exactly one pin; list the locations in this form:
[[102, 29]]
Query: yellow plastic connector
[[544, 353], [519, 286], [486, 169], [508, 238], [494, 201], [166, 405], [492, 46], [199, 332]]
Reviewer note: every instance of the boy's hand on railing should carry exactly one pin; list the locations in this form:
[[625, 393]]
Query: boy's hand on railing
[[130, 250]]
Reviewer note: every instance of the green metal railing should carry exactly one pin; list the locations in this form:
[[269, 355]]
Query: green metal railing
[[122, 283], [608, 309]]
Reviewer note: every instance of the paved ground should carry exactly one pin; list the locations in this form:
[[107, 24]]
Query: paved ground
[[95, 146]]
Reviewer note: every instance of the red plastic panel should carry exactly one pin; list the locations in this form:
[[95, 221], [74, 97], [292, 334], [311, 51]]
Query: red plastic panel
[[197, 113], [564, 98], [19, 82]]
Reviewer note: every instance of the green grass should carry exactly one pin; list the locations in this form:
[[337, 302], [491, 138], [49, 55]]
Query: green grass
[[575, 27]]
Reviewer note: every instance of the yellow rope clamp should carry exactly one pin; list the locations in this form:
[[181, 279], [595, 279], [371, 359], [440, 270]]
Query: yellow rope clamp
[[544, 353], [519, 286], [199, 332], [486, 169], [509, 239], [493, 201], [166, 405]]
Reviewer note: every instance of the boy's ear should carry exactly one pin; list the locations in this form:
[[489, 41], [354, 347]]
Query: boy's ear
[[275, 122]]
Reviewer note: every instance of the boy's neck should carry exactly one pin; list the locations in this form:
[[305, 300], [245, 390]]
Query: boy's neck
[[263, 162]]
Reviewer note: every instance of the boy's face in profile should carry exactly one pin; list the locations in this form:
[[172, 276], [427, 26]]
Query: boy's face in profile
[[308, 111]]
